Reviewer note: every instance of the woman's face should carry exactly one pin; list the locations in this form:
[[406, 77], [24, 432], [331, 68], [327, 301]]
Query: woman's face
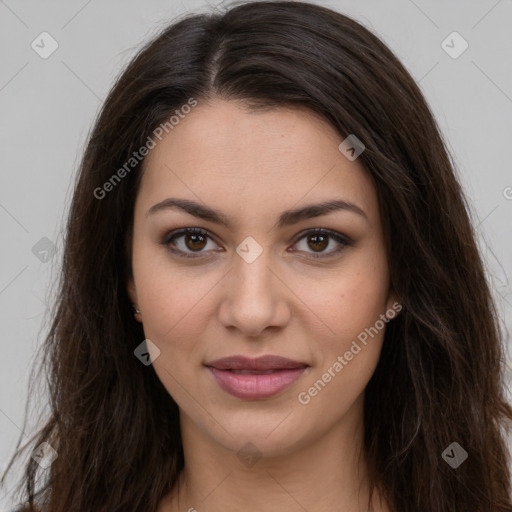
[[260, 281]]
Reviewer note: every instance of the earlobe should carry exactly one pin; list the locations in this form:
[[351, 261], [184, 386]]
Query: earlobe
[[132, 294]]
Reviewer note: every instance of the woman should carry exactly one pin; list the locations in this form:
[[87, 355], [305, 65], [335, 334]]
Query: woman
[[271, 297]]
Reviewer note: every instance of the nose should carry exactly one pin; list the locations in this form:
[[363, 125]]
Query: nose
[[254, 297]]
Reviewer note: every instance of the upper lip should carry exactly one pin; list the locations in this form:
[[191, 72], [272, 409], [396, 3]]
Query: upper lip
[[269, 362]]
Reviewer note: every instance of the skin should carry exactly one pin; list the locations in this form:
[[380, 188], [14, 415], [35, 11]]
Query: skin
[[252, 166]]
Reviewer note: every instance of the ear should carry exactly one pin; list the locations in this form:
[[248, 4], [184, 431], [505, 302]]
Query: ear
[[131, 290]]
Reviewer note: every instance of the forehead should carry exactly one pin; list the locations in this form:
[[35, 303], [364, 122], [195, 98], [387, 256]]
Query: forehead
[[225, 155]]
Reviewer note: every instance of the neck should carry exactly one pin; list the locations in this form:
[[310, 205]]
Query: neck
[[325, 475]]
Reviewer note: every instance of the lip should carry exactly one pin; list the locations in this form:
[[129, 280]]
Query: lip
[[255, 379]]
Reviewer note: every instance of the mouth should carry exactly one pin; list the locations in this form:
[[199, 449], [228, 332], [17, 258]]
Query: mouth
[[255, 379]]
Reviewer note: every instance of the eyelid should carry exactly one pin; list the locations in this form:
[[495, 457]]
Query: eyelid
[[326, 231], [338, 237], [170, 236], [341, 239]]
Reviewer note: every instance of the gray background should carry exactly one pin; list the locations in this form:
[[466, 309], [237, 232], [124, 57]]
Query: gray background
[[48, 106]]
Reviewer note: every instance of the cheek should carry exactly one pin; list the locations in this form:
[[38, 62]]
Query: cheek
[[173, 305], [172, 314], [353, 350], [355, 301], [351, 307], [348, 357], [171, 298]]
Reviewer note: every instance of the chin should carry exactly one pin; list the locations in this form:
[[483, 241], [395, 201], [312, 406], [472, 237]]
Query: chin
[[268, 438]]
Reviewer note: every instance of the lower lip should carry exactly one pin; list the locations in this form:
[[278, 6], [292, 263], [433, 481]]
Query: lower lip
[[255, 386]]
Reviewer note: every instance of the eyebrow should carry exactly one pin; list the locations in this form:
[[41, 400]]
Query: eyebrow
[[287, 218]]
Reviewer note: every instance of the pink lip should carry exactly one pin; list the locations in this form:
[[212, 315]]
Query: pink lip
[[263, 377]]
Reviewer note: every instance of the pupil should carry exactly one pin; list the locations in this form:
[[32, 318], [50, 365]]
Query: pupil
[[194, 238], [315, 239]]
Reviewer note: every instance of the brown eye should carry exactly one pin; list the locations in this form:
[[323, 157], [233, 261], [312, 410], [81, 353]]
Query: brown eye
[[195, 241], [188, 242], [318, 242]]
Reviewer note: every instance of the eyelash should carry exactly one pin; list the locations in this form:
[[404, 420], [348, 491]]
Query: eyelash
[[341, 239]]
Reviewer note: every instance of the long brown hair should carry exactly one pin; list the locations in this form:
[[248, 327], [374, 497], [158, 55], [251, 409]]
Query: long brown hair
[[440, 378]]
